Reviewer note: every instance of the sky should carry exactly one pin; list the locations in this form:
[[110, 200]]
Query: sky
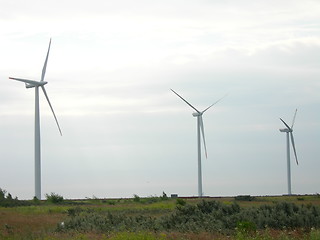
[[110, 70]]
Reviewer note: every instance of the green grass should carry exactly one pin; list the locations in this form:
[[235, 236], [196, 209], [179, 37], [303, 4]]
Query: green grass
[[267, 235], [33, 210]]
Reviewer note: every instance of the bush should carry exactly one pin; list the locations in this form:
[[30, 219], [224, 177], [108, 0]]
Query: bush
[[180, 202], [111, 202], [9, 201], [54, 198], [206, 216], [246, 227], [244, 198], [164, 196], [35, 200], [151, 199], [136, 198]]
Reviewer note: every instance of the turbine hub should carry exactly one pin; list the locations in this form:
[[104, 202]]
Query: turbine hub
[[196, 114]]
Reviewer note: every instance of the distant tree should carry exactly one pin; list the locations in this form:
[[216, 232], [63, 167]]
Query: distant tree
[[9, 201], [2, 194], [9, 196]]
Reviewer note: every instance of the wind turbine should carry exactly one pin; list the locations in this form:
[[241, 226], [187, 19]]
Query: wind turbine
[[37, 150], [200, 129], [289, 130]]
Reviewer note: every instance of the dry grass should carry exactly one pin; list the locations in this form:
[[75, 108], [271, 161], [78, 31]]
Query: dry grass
[[19, 224]]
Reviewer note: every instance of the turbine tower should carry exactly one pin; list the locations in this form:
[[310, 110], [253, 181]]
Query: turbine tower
[[200, 130], [37, 149], [289, 130]]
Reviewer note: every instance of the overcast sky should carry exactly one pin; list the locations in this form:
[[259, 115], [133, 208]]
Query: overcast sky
[[110, 70]]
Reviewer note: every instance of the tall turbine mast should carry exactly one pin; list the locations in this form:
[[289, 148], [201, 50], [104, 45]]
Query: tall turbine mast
[[288, 130], [200, 131], [37, 142]]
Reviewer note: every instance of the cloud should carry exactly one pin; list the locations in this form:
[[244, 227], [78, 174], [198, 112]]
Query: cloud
[[110, 71]]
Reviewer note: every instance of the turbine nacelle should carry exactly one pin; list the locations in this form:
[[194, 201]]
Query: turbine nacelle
[[285, 130], [30, 83], [196, 114]]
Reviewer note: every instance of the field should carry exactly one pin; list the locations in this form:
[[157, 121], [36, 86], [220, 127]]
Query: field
[[241, 217]]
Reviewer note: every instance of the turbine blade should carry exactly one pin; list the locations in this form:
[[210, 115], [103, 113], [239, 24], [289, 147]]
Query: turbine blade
[[45, 63], [185, 101], [32, 82], [214, 103], [294, 148], [204, 140], [45, 93], [285, 124], [294, 118]]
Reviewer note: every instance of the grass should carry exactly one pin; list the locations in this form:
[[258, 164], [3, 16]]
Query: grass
[[267, 235], [41, 221], [18, 224]]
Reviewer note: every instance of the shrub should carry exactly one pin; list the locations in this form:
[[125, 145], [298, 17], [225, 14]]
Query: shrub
[[136, 198], [35, 200], [151, 199], [9, 201], [54, 198], [74, 211], [244, 198], [111, 202], [180, 202], [246, 227], [164, 196], [2, 194], [206, 216]]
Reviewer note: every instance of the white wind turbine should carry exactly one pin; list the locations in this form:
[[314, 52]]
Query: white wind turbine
[[200, 127], [37, 150], [289, 130]]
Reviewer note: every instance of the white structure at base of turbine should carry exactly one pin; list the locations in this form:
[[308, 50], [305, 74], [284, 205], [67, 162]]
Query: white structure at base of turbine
[[37, 142]]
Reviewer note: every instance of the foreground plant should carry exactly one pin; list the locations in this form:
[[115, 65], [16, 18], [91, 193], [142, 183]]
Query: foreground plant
[[206, 216]]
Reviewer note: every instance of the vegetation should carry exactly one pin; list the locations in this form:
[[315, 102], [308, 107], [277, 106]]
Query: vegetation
[[6, 200], [206, 216], [136, 198], [152, 218], [180, 201], [54, 198], [244, 198]]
